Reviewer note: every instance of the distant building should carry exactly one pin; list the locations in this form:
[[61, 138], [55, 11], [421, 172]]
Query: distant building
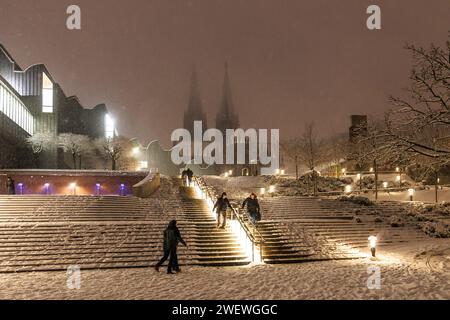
[[32, 102]]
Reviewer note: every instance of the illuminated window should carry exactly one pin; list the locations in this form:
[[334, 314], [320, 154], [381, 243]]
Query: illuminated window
[[14, 109], [109, 126], [47, 94]]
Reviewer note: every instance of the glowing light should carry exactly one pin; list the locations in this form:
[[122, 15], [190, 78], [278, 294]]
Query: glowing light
[[277, 171], [397, 169], [385, 184], [372, 244], [109, 126], [371, 169], [343, 170], [230, 172], [411, 192], [348, 188], [282, 171], [226, 174], [397, 178], [358, 176], [46, 185], [135, 151], [272, 189], [73, 187], [262, 191]]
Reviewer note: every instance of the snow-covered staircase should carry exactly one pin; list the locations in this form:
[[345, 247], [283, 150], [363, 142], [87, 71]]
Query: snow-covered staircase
[[55, 232]]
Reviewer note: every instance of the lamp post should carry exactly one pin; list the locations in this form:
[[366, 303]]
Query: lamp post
[[358, 177], [271, 190], [372, 244], [411, 193]]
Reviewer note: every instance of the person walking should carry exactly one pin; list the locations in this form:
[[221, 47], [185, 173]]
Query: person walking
[[221, 206], [171, 238], [10, 186], [184, 177], [189, 174], [253, 209]]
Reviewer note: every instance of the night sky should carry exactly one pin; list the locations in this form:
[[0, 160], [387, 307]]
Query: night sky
[[290, 61]]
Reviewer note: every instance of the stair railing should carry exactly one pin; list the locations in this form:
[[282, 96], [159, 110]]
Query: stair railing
[[244, 229]]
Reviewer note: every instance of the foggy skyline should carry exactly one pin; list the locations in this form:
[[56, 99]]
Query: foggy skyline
[[289, 62]]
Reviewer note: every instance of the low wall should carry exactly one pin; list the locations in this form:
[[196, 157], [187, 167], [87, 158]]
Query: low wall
[[87, 182], [148, 186]]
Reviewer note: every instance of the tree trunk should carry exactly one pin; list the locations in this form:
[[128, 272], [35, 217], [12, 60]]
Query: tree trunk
[[375, 168], [296, 168], [79, 162], [113, 164], [74, 158], [436, 187]]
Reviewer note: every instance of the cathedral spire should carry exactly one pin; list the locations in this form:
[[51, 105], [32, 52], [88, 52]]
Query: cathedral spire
[[194, 110], [226, 118]]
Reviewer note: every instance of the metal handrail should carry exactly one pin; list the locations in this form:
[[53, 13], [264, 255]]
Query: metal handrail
[[249, 233]]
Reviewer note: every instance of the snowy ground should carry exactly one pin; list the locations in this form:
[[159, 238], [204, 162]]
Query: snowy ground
[[412, 271]]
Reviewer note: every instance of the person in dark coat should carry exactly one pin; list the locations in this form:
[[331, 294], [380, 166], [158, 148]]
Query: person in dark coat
[[184, 176], [171, 238], [253, 208], [221, 206], [189, 174], [10, 186]]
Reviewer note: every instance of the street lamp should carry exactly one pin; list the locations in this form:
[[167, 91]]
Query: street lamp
[[397, 169], [372, 244], [371, 169], [411, 193], [385, 184], [343, 171]]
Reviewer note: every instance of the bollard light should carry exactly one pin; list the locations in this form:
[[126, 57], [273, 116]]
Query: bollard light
[[282, 171], [20, 186], [230, 172], [226, 174], [262, 191], [385, 184], [46, 187], [271, 190], [343, 170], [98, 186], [277, 171], [122, 189], [371, 169], [372, 244], [397, 169], [73, 187], [358, 176], [348, 188], [411, 193]]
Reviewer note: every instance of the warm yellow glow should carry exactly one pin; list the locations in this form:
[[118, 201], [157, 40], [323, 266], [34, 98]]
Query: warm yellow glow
[[372, 241], [72, 185], [277, 171], [348, 188], [397, 169], [230, 172], [226, 174], [271, 189], [282, 171], [263, 190], [358, 176], [385, 184], [411, 192], [343, 170], [371, 169], [397, 178]]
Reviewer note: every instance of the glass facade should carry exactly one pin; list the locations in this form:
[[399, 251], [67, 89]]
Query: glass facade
[[47, 94], [14, 109]]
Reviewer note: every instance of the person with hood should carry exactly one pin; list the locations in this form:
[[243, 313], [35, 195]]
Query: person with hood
[[184, 177], [221, 206], [253, 208], [171, 238], [10, 186]]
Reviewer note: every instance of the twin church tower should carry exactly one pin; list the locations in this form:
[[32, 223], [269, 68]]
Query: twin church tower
[[226, 118]]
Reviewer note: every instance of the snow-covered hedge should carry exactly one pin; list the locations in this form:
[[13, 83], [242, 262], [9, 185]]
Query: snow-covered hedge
[[356, 199], [436, 229]]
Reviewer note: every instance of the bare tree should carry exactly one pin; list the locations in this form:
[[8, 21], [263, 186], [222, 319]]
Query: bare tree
[[111, 148], [292, 149], [418, 126], [39, 142], [76, 145], [311, 151]]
